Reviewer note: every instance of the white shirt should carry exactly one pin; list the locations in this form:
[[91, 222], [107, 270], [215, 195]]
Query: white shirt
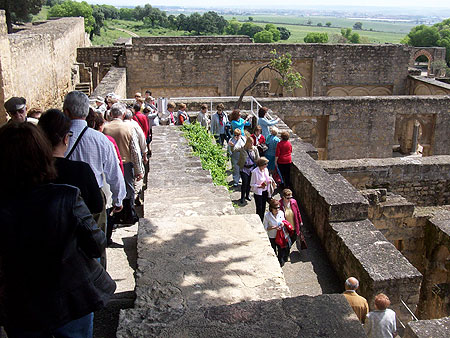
[[380, 324], [258, 177], [271, 220]]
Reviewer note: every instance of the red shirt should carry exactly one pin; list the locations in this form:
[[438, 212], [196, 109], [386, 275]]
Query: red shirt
[[283, 152], [142, 120], [261, 139]]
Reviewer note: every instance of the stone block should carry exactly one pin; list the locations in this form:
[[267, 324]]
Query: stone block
[[436, 328]]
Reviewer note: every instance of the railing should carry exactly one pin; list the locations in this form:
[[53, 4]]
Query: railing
[[401, 330]]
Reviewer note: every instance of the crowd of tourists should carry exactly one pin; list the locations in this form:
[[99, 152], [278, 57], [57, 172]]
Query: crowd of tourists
[[70, 176]]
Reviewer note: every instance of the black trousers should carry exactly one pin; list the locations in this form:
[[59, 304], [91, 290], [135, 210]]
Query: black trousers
[[245, 187], [260, 201], [285, 171], [281, 253]]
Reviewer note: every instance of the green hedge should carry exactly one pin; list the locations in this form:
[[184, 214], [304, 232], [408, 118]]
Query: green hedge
[[212, 156]]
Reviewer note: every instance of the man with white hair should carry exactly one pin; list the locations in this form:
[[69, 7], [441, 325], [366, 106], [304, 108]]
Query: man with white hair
[[358, 303], [128, 143], [91, 146]]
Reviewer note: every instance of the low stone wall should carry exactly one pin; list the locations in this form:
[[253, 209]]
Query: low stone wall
[[419, 85], [435, 292], [115, 81], [437, 328], [165, 40], [421, 180], [354, 246]]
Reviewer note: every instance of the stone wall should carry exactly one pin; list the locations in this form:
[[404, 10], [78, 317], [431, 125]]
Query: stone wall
[[421, 180], [435, 292], [437, 328], [354, 246], [37, 63], [115, 81], [419, 85], [199, 69], [165, 40]]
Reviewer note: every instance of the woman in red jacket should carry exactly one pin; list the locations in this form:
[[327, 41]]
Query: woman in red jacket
[[289, 207], [283, 159]]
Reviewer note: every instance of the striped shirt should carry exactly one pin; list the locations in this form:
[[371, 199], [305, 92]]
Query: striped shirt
[[95, 149]]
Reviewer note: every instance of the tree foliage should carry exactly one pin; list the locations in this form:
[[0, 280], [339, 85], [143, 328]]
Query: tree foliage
[[316, 38], [357, 25], [328, 24], [350, 36], [74, 8], [20, 10], [284, 33], [282, 65], [263, 37], [437, 35]]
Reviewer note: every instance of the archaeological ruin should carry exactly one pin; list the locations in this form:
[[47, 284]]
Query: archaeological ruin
[[371, 169]]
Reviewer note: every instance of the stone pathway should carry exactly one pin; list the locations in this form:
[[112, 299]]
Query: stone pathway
[[308, 272]]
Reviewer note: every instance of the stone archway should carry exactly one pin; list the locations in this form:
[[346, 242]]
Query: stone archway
[[427, 54]]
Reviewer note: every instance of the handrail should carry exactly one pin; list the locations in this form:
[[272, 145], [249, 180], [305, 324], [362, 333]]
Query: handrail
[[409, 310]]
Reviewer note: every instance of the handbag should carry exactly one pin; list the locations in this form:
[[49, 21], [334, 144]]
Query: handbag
[[301, 242], [277, 176]]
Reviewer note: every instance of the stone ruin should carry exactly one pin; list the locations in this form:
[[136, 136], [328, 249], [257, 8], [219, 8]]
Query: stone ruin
[[381, 217]]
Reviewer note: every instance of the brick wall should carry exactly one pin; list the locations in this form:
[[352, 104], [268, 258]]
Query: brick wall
[[164, 40]]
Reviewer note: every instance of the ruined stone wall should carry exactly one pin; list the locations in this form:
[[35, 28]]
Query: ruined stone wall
[[165, 40], [354, 246], [115, 81], [38, 64], [225, 68], [424, 181], [435, 292], [418, 85]]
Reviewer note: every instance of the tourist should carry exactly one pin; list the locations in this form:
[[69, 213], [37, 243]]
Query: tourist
[[264, 122], [34, 113], [16, 107], [149, 101], [357, 302], [171, 118], [202, 116], [51, 280], [142, 121], [273, 221], [259, 140], [283, 159], [238, 122], [138, 99], [235, 144], [247, 162], [183, 116], [271, 143], [218, 123], [94, 148], [292, 214], [100, 106], [259, 184], [128, 144], [56, 127], [381, 322]]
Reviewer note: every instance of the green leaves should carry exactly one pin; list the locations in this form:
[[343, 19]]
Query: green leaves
[[212, 155]]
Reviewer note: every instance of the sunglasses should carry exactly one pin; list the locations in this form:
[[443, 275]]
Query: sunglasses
[[288, 198]]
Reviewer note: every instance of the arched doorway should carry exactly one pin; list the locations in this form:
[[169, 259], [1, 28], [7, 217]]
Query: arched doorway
[[422, 60]]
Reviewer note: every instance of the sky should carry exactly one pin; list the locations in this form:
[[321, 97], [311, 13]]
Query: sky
[[270, 3]]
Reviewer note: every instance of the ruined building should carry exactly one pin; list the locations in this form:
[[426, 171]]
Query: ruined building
[[381, 217]]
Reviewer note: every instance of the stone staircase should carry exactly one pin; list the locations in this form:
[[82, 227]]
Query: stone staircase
[[84, 87]]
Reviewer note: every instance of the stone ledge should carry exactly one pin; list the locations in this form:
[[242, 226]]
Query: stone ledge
[[436, 328], [303, 316]]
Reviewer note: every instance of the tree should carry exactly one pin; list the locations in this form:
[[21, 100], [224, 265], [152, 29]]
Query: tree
[[316, 38], [263, 37], [319, 24], [20, 10], [328, 24], [309, 22], [438, 35], [282, 65], [357, 25], [350, 36], [233, 27], [126, 14], [73, 8], [250, 29], [275, 32], [284, 33], [250, 18]]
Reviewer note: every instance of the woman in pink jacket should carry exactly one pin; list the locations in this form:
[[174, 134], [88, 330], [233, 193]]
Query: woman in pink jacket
[[292, 214]]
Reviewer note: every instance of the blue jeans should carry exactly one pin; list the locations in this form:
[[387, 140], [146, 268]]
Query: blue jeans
[[78, 328]]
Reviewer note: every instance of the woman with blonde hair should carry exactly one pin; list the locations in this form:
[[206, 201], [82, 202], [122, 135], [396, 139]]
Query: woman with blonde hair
[[247, 162]]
